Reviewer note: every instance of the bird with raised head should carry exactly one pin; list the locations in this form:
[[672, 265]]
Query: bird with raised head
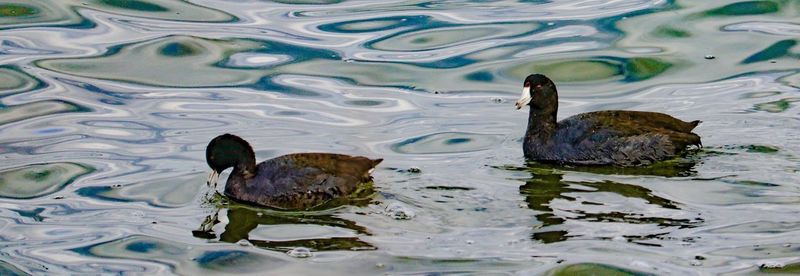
[[609, 137]]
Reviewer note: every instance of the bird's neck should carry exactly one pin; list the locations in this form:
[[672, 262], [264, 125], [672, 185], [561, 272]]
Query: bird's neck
[[239, 180], [541, 122]]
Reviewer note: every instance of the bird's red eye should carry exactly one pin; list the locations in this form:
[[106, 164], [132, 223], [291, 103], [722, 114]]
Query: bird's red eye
[[527, 84]]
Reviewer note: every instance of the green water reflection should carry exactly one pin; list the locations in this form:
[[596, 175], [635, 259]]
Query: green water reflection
[[9, 10], [182, 61], [671, 32], [443, 37], [39, 179], [790, 269], [9, 269], [157, 9], [776, 106], [13, 81], [15, 113], [746, 8], [595, 69], [22, 13], [588, 269], [695, 29], [133, 5]]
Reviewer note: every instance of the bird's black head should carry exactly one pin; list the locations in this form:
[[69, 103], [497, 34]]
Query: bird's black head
[[227, 151], [538, 90]]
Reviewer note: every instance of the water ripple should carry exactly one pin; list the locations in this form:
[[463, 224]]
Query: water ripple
[[106, 107]]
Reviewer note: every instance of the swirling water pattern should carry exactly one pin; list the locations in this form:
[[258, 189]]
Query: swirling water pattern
[[106, 107]]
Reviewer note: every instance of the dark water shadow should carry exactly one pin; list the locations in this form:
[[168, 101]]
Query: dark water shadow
[[678, 167], [243, 219], [546, 184]]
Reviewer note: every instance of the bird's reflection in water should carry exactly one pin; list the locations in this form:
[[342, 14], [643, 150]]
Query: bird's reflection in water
[[243, 219], [546, 186]]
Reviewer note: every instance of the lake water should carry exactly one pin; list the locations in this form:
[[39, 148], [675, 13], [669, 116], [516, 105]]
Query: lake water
[[107, 106]]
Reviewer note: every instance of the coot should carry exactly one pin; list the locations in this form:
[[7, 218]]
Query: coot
[[611, 137], [294, 181]]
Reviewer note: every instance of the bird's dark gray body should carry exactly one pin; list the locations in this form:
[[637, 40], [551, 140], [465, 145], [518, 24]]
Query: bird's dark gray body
[[622, 138], [613, 137], [301, 181], [297, 181]]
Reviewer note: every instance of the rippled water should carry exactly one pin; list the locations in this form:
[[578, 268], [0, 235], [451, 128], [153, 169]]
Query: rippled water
[[107, 106]]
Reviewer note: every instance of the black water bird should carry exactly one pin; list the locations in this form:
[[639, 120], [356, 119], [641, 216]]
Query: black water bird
[[296, 181], [610, 137]]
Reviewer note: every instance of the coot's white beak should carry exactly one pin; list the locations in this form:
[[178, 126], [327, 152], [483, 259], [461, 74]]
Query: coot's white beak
[[212, 178], [525, 99]]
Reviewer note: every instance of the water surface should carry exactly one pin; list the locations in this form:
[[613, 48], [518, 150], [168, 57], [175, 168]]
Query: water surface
[[106, 108]]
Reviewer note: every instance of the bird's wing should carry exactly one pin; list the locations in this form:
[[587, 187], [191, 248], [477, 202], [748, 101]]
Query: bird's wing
[[631, 137]]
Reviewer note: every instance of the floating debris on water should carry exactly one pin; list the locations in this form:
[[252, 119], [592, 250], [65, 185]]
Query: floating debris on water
[[710, 57], [244, 242], [399, 211], [771, 264], [299, 252]]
